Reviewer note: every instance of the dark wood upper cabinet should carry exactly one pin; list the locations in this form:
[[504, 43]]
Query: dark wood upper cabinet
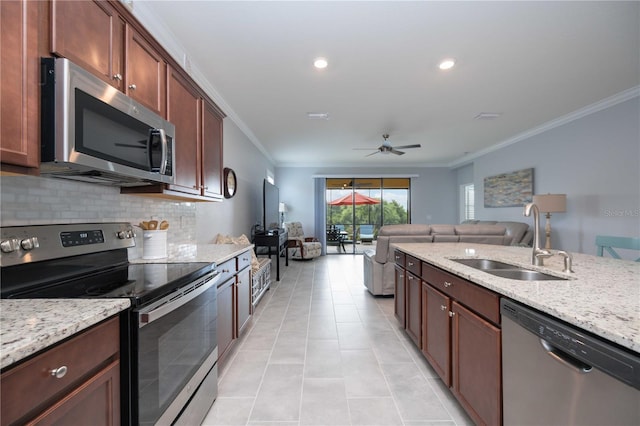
[[184, 112], [90, 34], [212, 150], [145, 76], [19, 79]]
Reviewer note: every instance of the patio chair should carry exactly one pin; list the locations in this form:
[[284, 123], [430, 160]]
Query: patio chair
[[299, 245], [607, 243], [335, 238], [366, 233]]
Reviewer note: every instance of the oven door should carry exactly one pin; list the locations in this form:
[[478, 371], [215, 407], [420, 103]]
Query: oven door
[[174, 349]]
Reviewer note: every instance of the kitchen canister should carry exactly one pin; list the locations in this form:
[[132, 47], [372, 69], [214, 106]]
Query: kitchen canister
[[154, 244]]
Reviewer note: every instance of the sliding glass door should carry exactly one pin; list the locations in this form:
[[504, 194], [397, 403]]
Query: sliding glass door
[[358, 207]]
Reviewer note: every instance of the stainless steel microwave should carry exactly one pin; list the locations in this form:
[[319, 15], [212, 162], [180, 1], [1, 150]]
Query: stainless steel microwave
[[94, 133]]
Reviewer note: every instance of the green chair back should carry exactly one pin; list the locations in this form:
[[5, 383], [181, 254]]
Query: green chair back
[[608, 244]]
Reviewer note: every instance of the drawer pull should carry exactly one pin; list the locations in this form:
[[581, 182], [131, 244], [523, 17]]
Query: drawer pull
[[447, 284], [59, 372], [443, 308], [451, 314]]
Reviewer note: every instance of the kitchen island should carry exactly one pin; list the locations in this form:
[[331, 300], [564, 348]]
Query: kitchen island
[[602, 296]]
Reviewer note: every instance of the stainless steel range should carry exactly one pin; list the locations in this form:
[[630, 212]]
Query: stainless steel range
[[169, 349]]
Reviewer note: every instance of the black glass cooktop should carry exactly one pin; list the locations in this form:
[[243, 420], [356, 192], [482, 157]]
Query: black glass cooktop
[[142, 283]]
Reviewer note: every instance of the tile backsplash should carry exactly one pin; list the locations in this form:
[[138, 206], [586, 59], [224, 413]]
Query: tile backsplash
[[29, 200]]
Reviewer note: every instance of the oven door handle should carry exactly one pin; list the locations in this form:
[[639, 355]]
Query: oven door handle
[[174, 300]]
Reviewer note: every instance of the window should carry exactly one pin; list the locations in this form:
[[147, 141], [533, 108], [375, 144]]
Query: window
[[467, 202]]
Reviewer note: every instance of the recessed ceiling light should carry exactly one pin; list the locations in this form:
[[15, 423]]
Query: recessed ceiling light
[[446, 64], [320, 63]]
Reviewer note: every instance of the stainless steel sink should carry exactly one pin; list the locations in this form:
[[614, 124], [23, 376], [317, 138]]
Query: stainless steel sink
[[485, 264], [506, 270], [523, 274]]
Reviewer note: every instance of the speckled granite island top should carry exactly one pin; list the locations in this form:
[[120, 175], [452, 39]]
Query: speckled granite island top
[[602, 296], [30, 325]]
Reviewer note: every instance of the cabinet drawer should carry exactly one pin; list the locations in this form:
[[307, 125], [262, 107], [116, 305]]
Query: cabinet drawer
[[399, 258], [481, 300], [30, 387], [227, 269], [413, 265], [244, 260]]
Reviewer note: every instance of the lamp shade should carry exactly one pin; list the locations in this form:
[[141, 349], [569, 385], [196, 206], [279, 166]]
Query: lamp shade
[[282, 208], [551, 203]]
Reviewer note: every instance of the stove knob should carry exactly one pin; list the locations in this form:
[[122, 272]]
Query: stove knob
[[10, 245], [30, 243], [122, 235]]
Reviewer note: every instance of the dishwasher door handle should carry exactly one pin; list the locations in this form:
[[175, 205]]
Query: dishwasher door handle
[[564, 358]]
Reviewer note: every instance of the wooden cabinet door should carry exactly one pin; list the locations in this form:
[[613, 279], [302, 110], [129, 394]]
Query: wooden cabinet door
[[19, 79], [90, 34], [476, 366], [414, 309], [436, 331], [399, 297], [243, 297], [212, 163], [225, 325], [145, 77], [97, 401], [184, 113]]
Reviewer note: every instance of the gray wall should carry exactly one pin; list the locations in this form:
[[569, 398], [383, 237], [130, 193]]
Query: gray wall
[[595, 160], [433, 195]]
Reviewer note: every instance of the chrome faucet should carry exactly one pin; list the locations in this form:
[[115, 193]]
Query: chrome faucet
[[537, 254]]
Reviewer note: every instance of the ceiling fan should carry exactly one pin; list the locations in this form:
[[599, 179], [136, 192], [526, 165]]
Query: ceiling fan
[[386, 147]]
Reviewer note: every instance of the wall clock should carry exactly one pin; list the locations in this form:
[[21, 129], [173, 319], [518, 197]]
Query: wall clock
[[230, 183]]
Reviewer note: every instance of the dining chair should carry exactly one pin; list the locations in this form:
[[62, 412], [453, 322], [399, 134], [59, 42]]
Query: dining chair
[[608, 244]]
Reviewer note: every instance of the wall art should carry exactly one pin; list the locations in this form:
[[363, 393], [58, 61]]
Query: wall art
[[509, 189]]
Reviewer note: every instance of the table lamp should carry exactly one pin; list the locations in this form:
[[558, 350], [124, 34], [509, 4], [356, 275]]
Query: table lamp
[[550, 203]]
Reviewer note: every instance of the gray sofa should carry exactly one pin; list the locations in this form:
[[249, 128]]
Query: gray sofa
[[379, 263]]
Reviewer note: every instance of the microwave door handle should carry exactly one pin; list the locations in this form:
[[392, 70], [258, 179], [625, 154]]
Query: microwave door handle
[[165, 157], [147, 317]]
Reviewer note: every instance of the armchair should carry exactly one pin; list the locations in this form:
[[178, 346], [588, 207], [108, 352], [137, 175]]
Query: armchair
[[300, 246]]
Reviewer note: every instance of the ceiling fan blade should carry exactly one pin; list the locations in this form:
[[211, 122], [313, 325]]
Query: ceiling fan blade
[[396, 152], [373, 153], [408, 146], [363, 149]]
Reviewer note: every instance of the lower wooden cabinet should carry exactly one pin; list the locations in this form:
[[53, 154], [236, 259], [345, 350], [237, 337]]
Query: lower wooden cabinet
[[458, 332], [74, 382], [234, 300]]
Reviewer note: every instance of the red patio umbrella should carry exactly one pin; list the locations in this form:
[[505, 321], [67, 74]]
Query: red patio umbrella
[[355, 198]]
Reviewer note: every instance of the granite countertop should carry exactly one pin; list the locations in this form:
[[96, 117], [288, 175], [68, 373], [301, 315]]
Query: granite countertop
[[602, 296], [30, 325], [214, 253]]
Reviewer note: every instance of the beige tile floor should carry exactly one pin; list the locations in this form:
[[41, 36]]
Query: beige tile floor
[[321, 350]]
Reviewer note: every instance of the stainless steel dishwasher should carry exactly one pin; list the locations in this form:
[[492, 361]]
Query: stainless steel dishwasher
[[557, 374]]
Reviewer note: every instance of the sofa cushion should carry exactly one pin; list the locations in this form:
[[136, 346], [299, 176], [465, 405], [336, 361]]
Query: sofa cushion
[[406, 229], [516, 230]]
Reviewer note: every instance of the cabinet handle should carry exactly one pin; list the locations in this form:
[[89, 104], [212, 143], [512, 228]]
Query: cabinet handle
[[443, 308], [447, 284], [401, 276], [397, 257], [410, 277], [117, 77], [59, 372], [451, 314], [410, 263], [133, 87]]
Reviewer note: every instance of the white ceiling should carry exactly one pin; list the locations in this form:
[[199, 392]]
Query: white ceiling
[[530, 61]]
